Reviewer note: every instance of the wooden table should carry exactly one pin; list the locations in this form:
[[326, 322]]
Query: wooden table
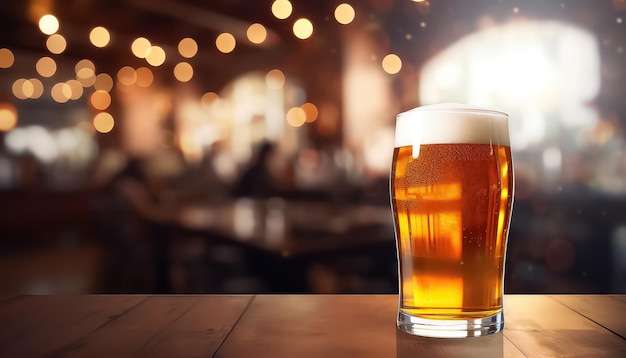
[[295, 326]]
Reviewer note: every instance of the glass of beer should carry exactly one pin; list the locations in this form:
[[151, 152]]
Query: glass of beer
[[451, 195]]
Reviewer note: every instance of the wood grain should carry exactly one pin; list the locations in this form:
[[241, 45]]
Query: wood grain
[[314, 326], [32, 326], [541, 327], [509, 350], [408, 346], [607, 311], [154, 330], [295, 325]]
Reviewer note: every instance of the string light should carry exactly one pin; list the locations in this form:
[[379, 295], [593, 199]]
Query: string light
[[225, 42], [303, 28], [282, 9], [6, 58], [188, 47], [48, 24], [99, 36], [344, 14]]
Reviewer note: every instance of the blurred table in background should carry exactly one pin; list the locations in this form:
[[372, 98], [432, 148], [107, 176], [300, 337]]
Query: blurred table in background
[[289, 229], [282, 240], [295, 326]]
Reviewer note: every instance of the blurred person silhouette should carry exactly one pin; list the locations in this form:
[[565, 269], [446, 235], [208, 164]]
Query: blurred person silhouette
[[257, 180], [131, 224], [200, 181]]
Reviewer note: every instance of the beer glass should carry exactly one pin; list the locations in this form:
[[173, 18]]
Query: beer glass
[[451, 195]]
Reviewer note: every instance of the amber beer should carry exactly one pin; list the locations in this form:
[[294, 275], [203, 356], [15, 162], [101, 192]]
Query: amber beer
[[452, 192]]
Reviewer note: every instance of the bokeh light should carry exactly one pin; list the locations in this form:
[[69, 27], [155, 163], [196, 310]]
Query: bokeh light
[[48, 24], [56, 44], [256, 33], [33, 88], [103, 122], [18, 88], [156, 56], [281, 9], [99, 36], [311, 112], [6, 58], [8, 117], [344, 14], [85, 72], [275, 79], [392, 64], [225, 42], [183, 72], [144, 77], [188, 47], [296, 117], [127, 76], [46, 67], [141, 47], [76, 89], [85, 68], [61, 92], [208, 99], [100, 100], [303, 28], [103, 82]]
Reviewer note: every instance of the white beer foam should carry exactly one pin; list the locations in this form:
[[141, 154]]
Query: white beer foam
[[451, 123]]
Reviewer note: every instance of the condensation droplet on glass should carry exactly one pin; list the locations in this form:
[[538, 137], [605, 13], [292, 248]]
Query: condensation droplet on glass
[[462, 263]]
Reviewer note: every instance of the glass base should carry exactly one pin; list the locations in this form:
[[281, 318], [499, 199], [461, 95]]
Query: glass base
[[458, 328]]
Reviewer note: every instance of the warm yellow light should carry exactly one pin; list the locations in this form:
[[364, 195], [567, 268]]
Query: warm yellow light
[[46, 67], [28, 88], [103, 122], [311, 112], [188, 47], [344, 14], [99, 36], [144, 77], [303, 28], [48, 24], [296, 117], [392, 64], [156, 56], [127, 76], [85, 65], [183, 72], [225, 42], [275, 79], [61, 92], [85, 72], [207, 99], [6, 58], [257, 33], [281, 9], [418, 0], [8, 117], [33, 88], [76, 89], [56, 44], [18, 88], [141, 47], [103, 82], [100, 100]]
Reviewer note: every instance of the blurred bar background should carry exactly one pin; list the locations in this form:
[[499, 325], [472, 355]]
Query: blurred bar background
[[238, 146]]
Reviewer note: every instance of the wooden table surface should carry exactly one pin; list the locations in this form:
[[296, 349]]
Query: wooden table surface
[[295, 326]]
